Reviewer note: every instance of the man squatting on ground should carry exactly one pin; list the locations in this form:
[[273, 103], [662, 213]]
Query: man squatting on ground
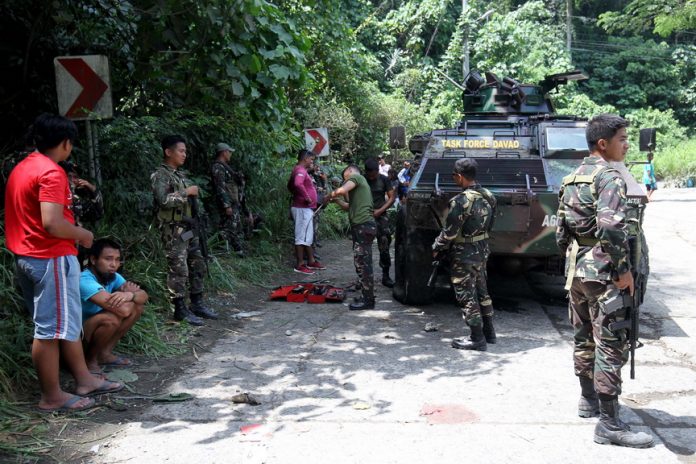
[[304, 202], [40, 231], [592, 229], [227, 184], [174, 195], [383, 196], [465, 233], [111, 305], [363, 228]]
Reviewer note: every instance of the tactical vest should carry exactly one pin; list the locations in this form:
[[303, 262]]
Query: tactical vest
[[231, 184], [471, 196], [175, 215], [577, 242]]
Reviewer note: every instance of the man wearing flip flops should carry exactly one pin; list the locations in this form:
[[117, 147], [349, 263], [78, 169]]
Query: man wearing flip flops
[[41, 232], [111, 305]]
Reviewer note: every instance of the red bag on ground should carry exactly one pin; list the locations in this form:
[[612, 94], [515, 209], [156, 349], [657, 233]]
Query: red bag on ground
[[312, 293]]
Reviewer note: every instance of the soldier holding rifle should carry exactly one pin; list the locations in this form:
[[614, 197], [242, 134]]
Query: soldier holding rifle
[[174, 196], [593, 229], [465, 233]]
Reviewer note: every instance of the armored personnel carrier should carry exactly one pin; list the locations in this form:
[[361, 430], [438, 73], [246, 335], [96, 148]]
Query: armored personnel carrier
[[523, 149]]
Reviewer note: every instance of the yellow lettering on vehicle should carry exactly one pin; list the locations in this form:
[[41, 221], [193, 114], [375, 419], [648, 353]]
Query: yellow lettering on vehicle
[[509, 144], [481, 144]]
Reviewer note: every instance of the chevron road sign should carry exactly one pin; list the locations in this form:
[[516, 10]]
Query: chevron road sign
[[83, 87], [317, 141]]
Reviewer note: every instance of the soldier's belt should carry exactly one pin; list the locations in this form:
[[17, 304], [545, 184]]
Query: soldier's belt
[[472, 239], [575, 245], [587, 241]]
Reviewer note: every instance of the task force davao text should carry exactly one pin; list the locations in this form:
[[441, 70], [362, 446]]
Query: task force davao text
[[550, 220], [481, 143]]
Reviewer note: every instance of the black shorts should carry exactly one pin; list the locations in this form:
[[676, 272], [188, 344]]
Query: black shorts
[[651, 186]]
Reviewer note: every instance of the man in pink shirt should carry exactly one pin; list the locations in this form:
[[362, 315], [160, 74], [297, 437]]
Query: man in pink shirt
[[41, 232], [304, 200]]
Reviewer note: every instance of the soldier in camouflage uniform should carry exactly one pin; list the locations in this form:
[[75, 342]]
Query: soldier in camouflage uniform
[[383, 196], [87, 202], [465, 233], [173, 194], [593, 231], [228, 185], [363, 229]]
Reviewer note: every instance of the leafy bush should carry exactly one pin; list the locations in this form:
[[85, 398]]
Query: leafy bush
[[569, 101], [676, 163], [669, 132], [525, 44]]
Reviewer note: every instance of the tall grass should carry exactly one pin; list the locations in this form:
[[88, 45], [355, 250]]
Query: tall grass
[[677, 163]]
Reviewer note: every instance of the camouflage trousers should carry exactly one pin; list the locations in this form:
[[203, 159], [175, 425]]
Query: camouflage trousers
[[363, 236], [471, 291], [383, 241], [185, 263], [232, 228], [599, 353]]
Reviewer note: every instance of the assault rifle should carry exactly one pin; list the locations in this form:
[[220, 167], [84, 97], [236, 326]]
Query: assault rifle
[[437, 260], [631, 303], [200, 230]]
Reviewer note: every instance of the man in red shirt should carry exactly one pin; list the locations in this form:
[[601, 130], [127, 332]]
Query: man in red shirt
[[304, 201], [41, 232]]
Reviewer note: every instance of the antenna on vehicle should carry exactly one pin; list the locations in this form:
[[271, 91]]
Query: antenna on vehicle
[[455, 83]]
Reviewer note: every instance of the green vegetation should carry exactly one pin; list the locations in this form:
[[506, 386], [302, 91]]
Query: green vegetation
[[253, 73]]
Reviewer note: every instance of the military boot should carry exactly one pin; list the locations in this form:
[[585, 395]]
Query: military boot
[[610, 429], [199, 309], [386, 280], [362, 303], [588, 406], [489, 330], [475, 342], [182, 313]]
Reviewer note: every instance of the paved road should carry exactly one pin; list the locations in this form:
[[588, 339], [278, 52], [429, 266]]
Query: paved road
[[373, 387]]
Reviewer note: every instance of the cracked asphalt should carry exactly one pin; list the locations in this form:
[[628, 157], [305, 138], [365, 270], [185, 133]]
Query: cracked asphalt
[[374, 387]]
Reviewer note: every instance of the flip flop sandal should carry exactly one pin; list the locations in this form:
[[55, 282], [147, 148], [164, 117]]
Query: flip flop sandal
[[120, 361], [67, 407], [104, 388]]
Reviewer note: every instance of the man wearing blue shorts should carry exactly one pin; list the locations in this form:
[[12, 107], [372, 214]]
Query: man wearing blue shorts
[[41, 232]]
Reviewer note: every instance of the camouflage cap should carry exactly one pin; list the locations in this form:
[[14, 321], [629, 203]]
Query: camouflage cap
[[223, 147]]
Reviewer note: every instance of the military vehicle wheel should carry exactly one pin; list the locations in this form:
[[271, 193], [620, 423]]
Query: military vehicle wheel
[[412, 264], [548, 286]]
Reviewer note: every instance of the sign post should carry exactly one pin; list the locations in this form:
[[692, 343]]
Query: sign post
[[317, 141], [84, 93]]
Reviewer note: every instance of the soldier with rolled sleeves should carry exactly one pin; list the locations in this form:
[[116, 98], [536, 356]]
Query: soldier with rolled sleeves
[[174, 193], [363, 228], [228, 185], [465, 233], [593, 231]]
